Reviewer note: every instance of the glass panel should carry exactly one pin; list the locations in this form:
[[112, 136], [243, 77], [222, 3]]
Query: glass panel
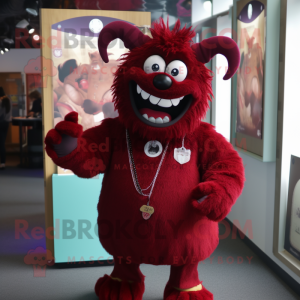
[[221, 5], [223, 87], [291, 141]]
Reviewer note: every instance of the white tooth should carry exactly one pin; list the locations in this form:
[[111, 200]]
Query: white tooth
[[154, 100], [151, 119], [180, 98], [175, 102], [166, 119], [138, 89], [145, 116], [145, 95], [159, 120], [165, 103], [99, 117]]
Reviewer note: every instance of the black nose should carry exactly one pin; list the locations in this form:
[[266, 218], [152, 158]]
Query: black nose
[[162, 81]]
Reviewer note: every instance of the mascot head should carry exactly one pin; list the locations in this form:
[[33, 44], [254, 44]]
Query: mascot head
[[162, 87]]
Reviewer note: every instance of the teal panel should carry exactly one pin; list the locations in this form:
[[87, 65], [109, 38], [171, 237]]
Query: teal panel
[[75, 219]]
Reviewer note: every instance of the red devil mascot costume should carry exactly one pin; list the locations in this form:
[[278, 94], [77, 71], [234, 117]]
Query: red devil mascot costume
[[168, 177]]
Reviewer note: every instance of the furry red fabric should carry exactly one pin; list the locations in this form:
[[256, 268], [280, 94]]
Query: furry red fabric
[[68, 127], [173, 294], [107, 288], [183, 230], [219, 45], [170, 45], [192, 234], [72, 117], [184, 276]]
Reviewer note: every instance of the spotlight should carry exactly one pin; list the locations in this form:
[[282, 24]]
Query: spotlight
[[8, 36], [24, 24], [9, 40], [32, 7], [30, 29], [6, 46], [3, 47], [36, 37]]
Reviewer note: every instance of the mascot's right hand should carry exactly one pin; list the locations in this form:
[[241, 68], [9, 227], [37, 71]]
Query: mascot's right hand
[[62, 140], [211, 200]]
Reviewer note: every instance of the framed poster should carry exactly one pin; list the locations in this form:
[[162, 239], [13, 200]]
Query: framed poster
[[292, 229], [286, 214], [76, 79], [81, 80], [251, 39]]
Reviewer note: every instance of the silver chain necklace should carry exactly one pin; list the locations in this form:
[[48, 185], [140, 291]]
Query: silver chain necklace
[[146, 210]]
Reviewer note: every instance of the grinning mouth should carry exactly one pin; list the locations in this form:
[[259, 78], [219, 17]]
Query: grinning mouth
[[155, 111]]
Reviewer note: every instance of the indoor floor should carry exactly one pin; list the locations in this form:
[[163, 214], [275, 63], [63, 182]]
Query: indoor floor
[[22, 197]]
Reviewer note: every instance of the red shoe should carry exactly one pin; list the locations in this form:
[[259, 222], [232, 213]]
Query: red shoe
[[173, 294], [107, 289]]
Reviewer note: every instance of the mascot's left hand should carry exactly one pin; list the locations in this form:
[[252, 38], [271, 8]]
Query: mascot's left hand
[[210, 199]]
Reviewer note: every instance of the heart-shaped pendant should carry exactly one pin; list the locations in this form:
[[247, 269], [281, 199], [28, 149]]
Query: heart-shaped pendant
[[146, 216], [147, 211]]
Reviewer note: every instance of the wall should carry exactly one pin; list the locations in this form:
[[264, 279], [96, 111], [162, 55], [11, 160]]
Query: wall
[[291, 145], [221, 5], [16, 59], [198, 12], [258, 198], [257, 201], [222, 101], [257, 204]]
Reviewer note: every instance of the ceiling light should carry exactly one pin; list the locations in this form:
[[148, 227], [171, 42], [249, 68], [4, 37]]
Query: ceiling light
[[36, 37], [30, 29], [207, 6], [24, 24], [2, 51], [32, 7], [8, 36], [8, 40], [6, 46]]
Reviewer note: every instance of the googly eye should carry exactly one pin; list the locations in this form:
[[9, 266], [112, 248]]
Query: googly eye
[[154, 63], [177, 69]]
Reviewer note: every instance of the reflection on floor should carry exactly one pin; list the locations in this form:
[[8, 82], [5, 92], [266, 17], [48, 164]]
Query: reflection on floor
[[22, 197]]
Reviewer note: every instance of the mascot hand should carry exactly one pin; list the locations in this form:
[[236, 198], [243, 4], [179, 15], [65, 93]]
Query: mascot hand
[[209, 198], [62, 140]]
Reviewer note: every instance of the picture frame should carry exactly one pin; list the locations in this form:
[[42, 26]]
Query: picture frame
[[48, 18], [259, 141], [292, 229]]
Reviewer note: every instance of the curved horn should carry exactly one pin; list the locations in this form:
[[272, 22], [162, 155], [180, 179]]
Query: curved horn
[[226, 46], [129, 34]]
